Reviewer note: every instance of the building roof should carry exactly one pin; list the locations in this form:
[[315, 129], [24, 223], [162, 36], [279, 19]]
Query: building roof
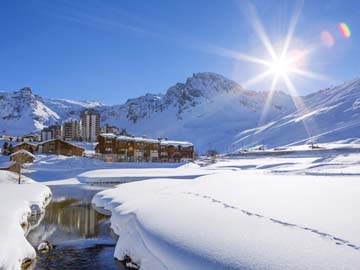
[[32, 135], [62, 141], [125, 138], [141, 139], [22, 151], [176, 143], [136, 139], [25, 143], [149, 140], [108, 135]]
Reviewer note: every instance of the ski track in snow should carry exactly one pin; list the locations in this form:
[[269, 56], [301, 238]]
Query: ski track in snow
[[336, 240]]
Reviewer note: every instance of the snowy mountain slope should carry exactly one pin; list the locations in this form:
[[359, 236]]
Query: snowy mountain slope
[[327, 115], [69, 108], [207, 109], [23, 112]]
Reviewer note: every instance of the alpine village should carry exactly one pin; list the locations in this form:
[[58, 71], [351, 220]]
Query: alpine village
[[73, 138]]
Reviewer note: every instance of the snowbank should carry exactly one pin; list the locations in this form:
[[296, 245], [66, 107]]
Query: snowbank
[[79, 169], [237, 220], [14, 211]]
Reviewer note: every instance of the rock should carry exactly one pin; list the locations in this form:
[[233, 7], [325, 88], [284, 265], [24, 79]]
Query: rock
[[44, 247], [26, 263], [129, 263], [35, 209]]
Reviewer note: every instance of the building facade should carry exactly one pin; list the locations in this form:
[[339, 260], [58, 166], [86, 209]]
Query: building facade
[[70, 130], [51, 132], [25, 146], [90, 125], [60, 147], [110, 129], [142, 149]]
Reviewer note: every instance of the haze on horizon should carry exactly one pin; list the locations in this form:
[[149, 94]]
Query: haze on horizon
[[111, 51]]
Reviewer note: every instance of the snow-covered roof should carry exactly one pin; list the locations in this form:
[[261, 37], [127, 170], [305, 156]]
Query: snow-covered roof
[[141, 139], [74, 145], [25, 143], [176, 143], [108, 135], [125, 138], [136, 139], [22, 151], [163, 142]]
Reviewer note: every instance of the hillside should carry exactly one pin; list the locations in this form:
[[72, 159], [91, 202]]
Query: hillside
[[207, 109], [328, 115]]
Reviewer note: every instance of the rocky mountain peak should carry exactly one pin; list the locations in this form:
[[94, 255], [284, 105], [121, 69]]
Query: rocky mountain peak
[[211, 83], [25, 91]]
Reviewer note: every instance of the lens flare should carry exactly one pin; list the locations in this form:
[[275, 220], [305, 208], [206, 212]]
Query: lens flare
[[281, 63], [345, 30], [327, 39]]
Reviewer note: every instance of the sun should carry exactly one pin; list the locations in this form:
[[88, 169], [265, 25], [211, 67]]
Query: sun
[[285, 60], [280, 67]]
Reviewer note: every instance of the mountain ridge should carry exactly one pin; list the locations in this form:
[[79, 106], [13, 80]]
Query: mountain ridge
[[212, 111]]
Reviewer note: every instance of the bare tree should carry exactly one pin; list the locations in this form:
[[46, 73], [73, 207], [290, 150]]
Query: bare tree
[[20, 160]]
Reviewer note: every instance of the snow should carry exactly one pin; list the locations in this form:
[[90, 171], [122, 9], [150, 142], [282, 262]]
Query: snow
[[187, 111], [176, 143], [53, 169], [136, 139], [209, 110], [327, 115], [16, 202], [108, 135], [6, 164], [22, 151], [294, 211]]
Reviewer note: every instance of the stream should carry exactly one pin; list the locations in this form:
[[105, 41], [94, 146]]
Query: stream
[[82, 237]]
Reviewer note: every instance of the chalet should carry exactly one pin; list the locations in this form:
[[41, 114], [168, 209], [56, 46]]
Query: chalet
[[107, 146], [32, 137], [25, 146], [22, 156], [60, 147], [106, 143], [127, 148], [146, 149], [176, 151]]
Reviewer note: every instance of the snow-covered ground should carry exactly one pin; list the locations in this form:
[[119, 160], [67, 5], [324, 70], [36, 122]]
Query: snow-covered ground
[[15, 208], [263, 211], [52, 169], [295, 211]]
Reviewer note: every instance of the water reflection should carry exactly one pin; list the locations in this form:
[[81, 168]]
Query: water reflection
[[72, 216], [82, 237]]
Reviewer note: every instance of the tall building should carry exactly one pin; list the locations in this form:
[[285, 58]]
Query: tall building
[[46, 134], [51, 132], [70, 130], [110, 129], [90, 125]]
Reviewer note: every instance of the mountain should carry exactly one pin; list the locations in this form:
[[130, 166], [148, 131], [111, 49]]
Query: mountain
[[330, 114], [207, 109], [23, 112]]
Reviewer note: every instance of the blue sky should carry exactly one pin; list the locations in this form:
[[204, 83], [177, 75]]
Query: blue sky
[[114, 50]]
